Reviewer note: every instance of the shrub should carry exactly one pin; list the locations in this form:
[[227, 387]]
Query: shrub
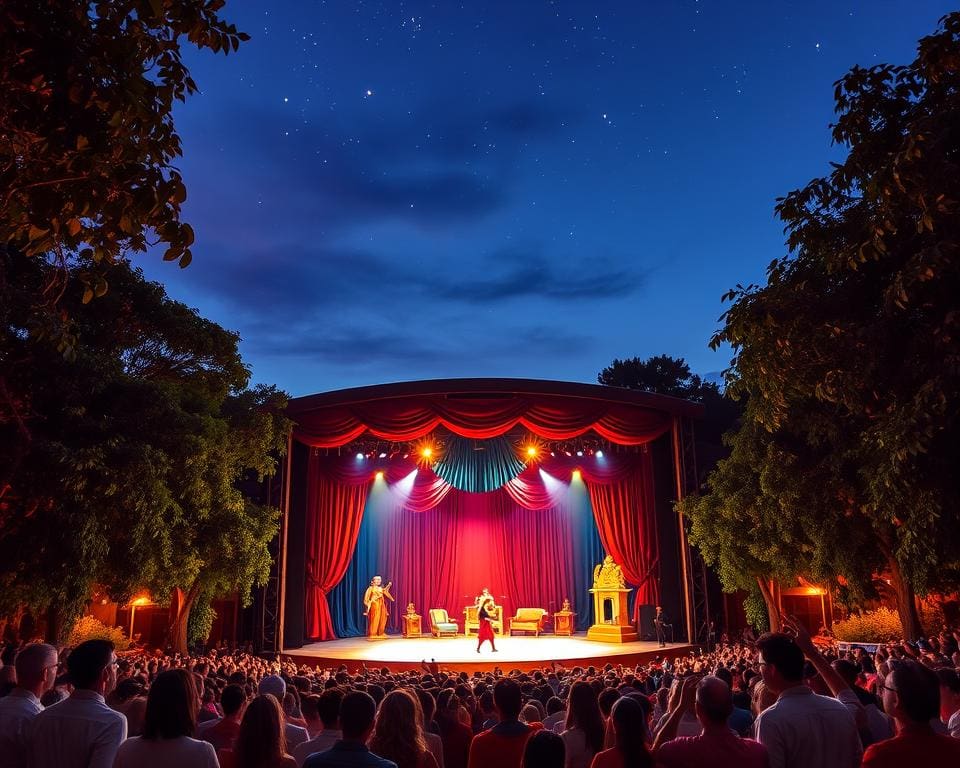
[[883, 624], [89, 628]]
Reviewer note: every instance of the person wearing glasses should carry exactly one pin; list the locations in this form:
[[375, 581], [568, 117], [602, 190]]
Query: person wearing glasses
[[911, 695], [82, 731], [36, 667]]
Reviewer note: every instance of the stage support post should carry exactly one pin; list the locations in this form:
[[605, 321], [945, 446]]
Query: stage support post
[[282, 553], [685, 558]]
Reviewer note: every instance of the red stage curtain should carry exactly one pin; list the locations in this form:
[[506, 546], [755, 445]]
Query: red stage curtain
[[626, 520], [334, 512], [551, 418], [443, 557]]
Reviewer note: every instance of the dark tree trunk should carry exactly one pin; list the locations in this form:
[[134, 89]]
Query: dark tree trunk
[[906, 601], [773, 612], [180, 605]]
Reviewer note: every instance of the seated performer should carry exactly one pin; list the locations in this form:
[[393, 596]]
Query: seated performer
[[376, 608], [486, 608]]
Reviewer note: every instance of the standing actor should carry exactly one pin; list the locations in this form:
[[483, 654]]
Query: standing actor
[[486, 609], [376, 608]]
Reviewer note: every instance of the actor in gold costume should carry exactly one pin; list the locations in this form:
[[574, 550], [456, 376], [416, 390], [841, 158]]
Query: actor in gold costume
[[376, 607]]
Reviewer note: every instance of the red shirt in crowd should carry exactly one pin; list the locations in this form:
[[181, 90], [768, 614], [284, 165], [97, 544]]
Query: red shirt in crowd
[[914, 745], [713, 748], [501, 746]]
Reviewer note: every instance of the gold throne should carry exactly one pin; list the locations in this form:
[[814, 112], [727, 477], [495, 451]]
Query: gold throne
[[611, 620], [471, 621]]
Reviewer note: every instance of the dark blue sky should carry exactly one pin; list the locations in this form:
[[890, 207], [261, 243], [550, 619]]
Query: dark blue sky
[[386, 191]]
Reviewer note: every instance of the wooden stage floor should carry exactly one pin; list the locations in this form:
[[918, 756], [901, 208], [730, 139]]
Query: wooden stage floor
[[459, 653]]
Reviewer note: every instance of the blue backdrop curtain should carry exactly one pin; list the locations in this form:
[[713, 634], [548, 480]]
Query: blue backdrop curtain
[[478, 466]]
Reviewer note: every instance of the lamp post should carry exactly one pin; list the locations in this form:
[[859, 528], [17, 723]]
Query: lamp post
[[133, 611]]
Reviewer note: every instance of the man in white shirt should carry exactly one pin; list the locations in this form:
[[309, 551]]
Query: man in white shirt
[[802, 729], [36, 667], [81, 731]]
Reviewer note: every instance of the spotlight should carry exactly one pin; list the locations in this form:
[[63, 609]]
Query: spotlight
[[359, 457], [427, 452], [599, 454], [576, 474], [579, 453], [383, 455], [553, 453], [380, 475], [532, 451]]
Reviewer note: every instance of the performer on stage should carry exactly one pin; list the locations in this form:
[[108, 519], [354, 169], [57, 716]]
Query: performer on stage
[[376, 608], [660, 624], [486, 608]]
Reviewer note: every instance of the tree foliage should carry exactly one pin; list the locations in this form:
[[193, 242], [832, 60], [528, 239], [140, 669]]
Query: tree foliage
[[130, 477], [849, 354]]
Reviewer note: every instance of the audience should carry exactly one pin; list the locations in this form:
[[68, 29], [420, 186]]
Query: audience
[[36, 670], [801, 729], [544, 749], [718, 745], [328, 709], [630, 746], [168, 726], [398, 732], [911, 694], [814, 708], [81, 731], [358, 712], [260, 742]]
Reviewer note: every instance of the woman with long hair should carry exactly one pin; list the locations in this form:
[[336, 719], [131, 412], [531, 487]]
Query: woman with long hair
[[260, 742], [455, 735], [398, 732], [168, 725], [583, 736], [630, 728]]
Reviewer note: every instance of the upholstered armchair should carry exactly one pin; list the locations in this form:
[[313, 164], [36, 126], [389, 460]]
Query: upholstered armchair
[[440, 624], [527, 620], [472, 623]]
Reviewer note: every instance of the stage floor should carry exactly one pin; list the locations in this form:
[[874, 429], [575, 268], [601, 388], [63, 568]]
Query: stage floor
[[459, 653]]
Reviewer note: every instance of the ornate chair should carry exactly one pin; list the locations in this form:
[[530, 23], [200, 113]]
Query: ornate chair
[[440, 624], [527, 620], [471, 622]]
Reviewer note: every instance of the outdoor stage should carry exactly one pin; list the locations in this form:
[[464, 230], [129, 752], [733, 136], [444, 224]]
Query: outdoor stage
[[459, 653]]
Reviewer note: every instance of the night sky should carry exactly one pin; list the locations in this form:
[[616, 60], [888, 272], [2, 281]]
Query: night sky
[[387, 191]]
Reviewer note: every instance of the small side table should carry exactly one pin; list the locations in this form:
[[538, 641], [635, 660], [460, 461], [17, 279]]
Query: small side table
[[563, 623], [411, 625]]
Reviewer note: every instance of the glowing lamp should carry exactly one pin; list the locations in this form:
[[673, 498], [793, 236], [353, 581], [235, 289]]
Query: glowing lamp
[[380, 475], [579, 453], [576, 474], [359, 457], [427, 452], [599, 454], [383, 455], [532, 451]]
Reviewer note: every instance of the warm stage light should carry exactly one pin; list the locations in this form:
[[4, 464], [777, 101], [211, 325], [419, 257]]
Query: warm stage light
[[380, 475], [427, 452], [532, 451], [576, 474]]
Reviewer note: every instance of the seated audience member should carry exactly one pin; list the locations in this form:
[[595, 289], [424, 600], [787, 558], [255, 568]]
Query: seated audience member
[[801, 728], [260, 742], [878, 726], [950, 700], [556, 713], [911, 694], [311, 715], [328, 708], [456, 736], [223, 732], [584, 732], [630, 728], [36, 668], [544, 750], [168, 726], [129, 698], [741, 720], [530, 715], [81, 731], [502, 745], [717, 745], [430, 730], [357, 713], [276, 687], [398, 731]]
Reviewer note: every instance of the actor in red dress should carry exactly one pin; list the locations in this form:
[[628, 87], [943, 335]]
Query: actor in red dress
[[486, 608]]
